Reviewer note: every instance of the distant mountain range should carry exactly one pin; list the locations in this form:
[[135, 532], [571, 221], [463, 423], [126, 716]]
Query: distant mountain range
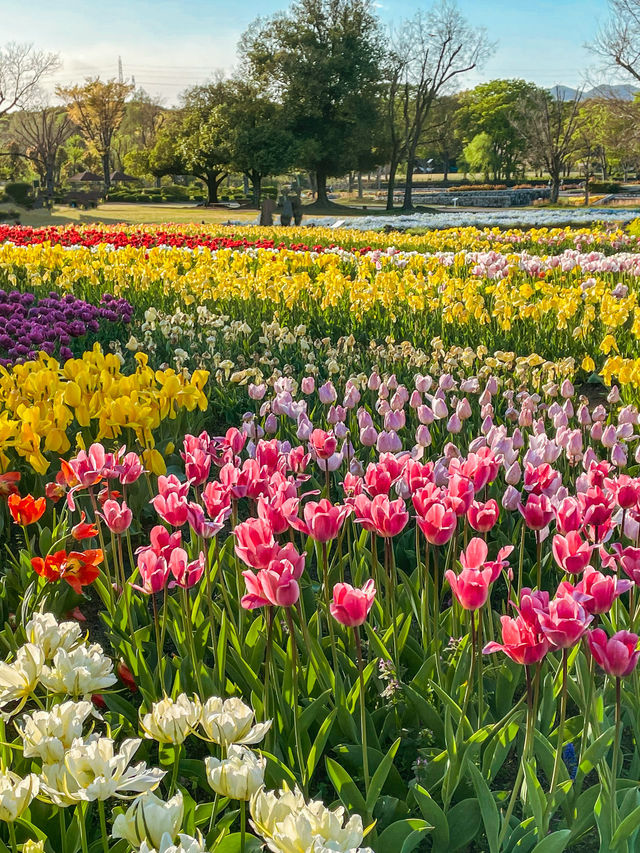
[[620, 91]]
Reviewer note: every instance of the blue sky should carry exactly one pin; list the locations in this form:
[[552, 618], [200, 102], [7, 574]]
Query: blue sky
[[168, 45]]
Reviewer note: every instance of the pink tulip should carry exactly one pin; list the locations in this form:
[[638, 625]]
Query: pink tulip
[[197, 466], [388, 517], [475, 554], [438, 523], [629, 560], [537, 512], [172, 508], [255, 543], [600, 591], [130, 469], [470, 587], [322, 520], [351, 606], [565, 622], [483, 516], [327, 393], [617, 656], [568, 516], [162, 542], [153, 570], [571, 553], [275, 586], [186, 574], [522, 641], [308, 385], [117, 517]]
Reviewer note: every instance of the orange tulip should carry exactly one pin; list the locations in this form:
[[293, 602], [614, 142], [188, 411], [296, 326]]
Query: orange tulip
[[26, 510], [77, 568]]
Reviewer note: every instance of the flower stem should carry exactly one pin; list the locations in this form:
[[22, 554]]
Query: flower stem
[[82, 827], [294, 682], [12, 837], [103, 827], [560, 738], [363, 716], [243, 826], [614, 763]]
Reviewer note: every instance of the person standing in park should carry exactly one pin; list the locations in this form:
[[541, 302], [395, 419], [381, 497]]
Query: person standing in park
[[296, 204], [266, 211], [287, 210]]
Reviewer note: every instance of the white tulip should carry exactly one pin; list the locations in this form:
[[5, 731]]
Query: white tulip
[[79, 672], [19, 678], [16, 794], [231, 721], [289, 825], [148, 819], [239, 775], [94, 771], [172, 720], [48, 734], [43, 630]]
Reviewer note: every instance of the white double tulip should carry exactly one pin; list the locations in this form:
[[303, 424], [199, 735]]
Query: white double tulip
[[231, 721], [19, 678], [16, 793], [94, 771], [172, 720], [79, 672], [148, 819], [45, 631], [186, 844], [239, 775], [289, 825], [49, 734]]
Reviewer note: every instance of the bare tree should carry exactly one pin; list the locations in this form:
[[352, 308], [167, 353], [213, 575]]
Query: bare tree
[[550, 126], [40, 135], [618, 41], [22, 69], [431, 50]]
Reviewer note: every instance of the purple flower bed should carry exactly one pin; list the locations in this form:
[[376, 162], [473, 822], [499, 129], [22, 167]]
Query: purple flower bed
[[29, 325]]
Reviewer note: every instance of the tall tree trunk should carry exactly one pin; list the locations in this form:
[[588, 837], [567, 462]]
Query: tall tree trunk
[[313, 184], [360, 187], [245, 184], [321, 193], [391, 184], [445, 168], [351, 182], [407, 202], [586, 183], [555, 188], [212, 183], [106, 172]]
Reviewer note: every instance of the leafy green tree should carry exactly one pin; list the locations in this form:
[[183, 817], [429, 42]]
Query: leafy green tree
[[321, 61], [489, 109], [260, 140], [478, 154]]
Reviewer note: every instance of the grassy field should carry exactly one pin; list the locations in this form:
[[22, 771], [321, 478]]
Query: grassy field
[[115, 213]]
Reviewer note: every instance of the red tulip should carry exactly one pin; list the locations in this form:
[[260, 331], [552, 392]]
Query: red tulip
[[82, 530], [571, 553], [617, 656], [470, 587], [351, 606]]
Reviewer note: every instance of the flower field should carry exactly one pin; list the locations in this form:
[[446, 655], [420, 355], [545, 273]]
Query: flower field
[[319, 540]]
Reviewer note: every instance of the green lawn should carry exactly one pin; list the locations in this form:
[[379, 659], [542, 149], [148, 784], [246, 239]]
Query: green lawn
[[115, 213]]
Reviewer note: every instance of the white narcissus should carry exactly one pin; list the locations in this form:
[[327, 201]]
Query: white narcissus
[[79, 672], [48, 734], [239, 775], [44, 630], [149, 819], [172, 720], [289, 825], [231, 721], [16, 793], [94, 771], [19, 678]]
